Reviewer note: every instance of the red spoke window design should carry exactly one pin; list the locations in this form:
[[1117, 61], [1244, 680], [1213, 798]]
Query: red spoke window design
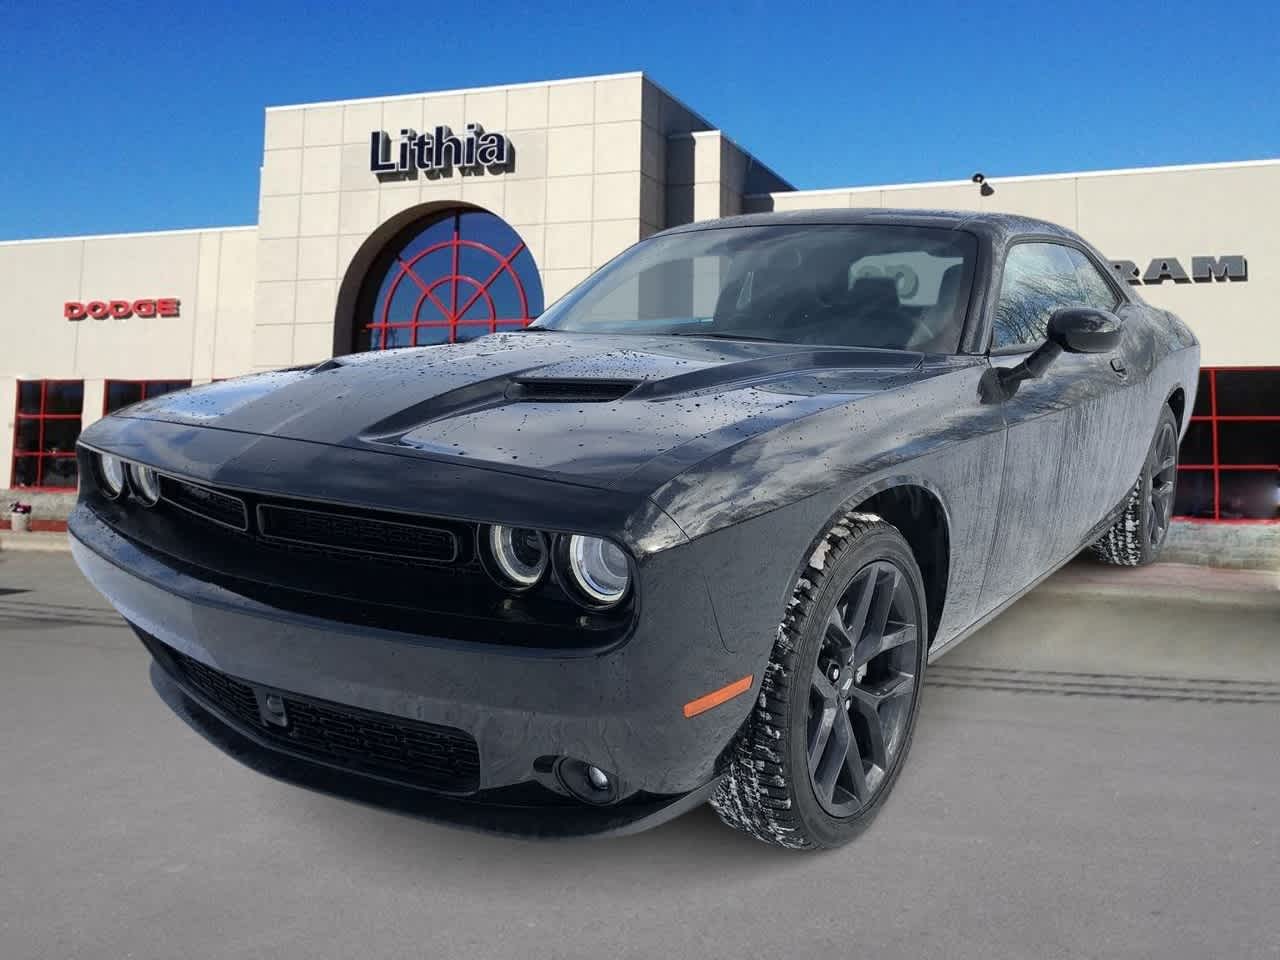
[[45, 433], [458, 277], [1229, 468], [122, 393]]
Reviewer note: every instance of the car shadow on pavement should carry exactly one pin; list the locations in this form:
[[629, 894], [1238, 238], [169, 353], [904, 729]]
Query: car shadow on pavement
[[394, 840]]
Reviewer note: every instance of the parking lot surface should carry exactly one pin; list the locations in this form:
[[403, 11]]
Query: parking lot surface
[[1095, 774]]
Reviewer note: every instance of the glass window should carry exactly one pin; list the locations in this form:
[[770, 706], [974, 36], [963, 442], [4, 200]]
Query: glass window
[[1248, 495], [29, 396], [28, 435], [59, 472], [455, 278], [1095, 291], [26, 471], [1242, 442], [1038, 279], [1245, 393], [122, 393], [45, 433], [63, 396], [60, 434], [1230, 459], [1197, 445], [1195, 497], [866, 285]]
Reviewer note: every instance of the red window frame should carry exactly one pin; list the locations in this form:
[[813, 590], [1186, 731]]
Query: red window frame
[[1216, 466], [452, 312], [106, 391], [40, 455]]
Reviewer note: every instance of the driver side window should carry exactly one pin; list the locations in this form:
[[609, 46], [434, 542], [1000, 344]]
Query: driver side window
[[1038, 279]]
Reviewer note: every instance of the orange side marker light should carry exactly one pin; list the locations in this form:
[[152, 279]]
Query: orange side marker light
[[717, 697]]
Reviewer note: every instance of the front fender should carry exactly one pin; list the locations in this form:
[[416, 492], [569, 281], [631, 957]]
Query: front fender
[[766, 501]]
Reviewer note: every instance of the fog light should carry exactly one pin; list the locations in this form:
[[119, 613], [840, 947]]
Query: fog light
[[588, 783]]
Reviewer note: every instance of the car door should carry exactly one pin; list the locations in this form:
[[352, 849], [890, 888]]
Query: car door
[[1062, 460], [1130, 363]]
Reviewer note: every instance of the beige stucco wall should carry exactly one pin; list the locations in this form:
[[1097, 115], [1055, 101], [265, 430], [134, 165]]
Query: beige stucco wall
[[708, 176], [589, 179], [1204, 210], [210, 271]]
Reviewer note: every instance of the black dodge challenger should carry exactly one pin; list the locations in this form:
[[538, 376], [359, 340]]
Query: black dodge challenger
[[692, 536]]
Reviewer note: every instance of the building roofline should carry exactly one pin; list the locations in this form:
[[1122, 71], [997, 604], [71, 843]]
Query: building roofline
[[463, 90], [997, 180], [563, 81], [135, 233], [714, 132], [710, 127]]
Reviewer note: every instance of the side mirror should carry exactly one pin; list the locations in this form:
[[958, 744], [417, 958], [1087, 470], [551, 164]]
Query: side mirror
[[1071, 330], [1084, 330]]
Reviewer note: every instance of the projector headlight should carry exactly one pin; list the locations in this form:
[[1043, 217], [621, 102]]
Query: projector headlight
[[146, 484], [111, 473], [520, 554], [599, 569]]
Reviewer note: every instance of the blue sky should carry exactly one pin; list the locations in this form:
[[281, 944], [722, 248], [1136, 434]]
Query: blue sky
[[138, 116]]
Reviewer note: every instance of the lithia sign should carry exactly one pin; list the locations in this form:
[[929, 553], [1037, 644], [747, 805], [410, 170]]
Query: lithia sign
[[439, 151], [1203, 270]]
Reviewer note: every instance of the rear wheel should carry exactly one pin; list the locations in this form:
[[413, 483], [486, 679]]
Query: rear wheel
[[839, 699], [1137, 537]]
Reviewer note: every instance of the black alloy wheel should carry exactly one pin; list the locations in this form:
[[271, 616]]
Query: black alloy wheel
[[1163, 467], [833, 721], [862, 689], [1137, 535]]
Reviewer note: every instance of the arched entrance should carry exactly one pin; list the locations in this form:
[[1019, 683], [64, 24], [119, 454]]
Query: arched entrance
[[440, 276]]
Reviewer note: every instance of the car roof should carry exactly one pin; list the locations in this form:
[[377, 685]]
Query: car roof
[[997, 227]]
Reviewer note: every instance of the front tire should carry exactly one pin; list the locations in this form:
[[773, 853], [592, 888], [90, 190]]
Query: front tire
[[837, 707], [1138, 536]]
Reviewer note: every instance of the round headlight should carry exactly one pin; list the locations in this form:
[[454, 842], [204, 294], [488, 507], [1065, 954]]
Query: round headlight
[[599, 568], [519, 553], [146, 483], [111, 471]]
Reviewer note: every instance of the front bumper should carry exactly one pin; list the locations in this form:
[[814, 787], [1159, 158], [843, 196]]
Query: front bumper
[[620, 710], [490, 814]]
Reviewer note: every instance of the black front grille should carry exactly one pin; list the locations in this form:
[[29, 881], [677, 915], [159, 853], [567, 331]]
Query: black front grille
[[358, 534], [352, 564], [407, 751], [203, 502]]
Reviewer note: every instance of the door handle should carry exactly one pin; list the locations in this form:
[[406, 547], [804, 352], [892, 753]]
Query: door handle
[[1118, 368]]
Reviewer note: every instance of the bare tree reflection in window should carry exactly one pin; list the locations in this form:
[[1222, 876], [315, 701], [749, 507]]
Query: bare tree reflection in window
[[1039, 278]]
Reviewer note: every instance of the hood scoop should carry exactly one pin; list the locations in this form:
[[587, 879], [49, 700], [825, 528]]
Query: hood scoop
[[487, 394], [574, 390]]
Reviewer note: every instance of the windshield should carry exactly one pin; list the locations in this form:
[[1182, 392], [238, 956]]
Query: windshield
[[902, 288]]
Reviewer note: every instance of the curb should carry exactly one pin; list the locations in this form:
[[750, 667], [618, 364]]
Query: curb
[[38, 525], [1172, 582], [35, 542]]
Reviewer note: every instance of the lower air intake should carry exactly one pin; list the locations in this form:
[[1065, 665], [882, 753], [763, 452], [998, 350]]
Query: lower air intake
[[420, 754]]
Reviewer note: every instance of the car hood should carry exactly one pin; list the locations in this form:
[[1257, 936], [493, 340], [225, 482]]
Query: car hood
[[586, 407]]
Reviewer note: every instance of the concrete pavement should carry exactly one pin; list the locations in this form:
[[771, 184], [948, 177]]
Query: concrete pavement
[[1096, 773]]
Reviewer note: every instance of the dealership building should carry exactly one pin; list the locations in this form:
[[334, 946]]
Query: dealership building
[[434, 217]]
